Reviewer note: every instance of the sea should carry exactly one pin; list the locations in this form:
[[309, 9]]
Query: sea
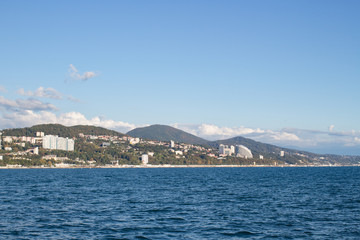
[[181, 203]]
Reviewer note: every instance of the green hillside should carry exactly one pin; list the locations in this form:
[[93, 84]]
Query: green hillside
[[60, 130], [166, 133]]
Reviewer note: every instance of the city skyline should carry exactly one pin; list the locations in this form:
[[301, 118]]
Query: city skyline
[[278, 72]]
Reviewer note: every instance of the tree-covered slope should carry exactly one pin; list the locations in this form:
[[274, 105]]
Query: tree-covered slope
[[60, 130]]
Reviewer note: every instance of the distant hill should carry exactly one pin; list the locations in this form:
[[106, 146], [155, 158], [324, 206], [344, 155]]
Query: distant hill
[[60, 130], [166, 133]]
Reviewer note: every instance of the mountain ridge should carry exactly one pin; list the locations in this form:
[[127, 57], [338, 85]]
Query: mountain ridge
[[166, 133]]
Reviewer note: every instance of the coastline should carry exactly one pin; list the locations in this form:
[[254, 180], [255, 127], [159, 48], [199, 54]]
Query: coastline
[[172, 166]]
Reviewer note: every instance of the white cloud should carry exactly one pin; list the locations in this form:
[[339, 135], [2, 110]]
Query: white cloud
[[26, 118], [214, 132], [30, 118], [25, 104], [277, 136], [331, 128], [41, 92], [75, 75], [76, 118], [211, 131]]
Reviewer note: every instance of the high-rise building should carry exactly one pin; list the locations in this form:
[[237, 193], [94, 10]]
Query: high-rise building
[[226, 150], [58, 143], [232, 149], [172, 144], [50, 142], [243, 152], [221, 148], [282, 153], [144, 159]]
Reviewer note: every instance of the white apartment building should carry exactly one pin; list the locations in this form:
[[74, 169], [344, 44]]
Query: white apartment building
[[58, 143], [282, 153], [243, 152], [40, 134], [226, 150], [145, 159]]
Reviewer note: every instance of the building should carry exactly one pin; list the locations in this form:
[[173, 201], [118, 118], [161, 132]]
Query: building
[[172, 144], [178, 153], [8, 139], [261, 157], [50, 142], [226, 150], [145, 159], [40, 134], [282, 153], [232, 149], [105, 144], [221, 149], [243, 152], [58, 143], [36, 151], [134, 141]]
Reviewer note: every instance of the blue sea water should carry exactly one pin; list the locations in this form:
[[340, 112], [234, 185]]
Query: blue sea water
[[180, 203]]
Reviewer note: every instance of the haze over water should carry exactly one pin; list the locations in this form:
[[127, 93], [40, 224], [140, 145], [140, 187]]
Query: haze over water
[[185, 203]]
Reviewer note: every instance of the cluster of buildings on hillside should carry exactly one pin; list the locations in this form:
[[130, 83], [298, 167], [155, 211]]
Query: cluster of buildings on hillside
[[47, 141], [53, 142], [242, 151]]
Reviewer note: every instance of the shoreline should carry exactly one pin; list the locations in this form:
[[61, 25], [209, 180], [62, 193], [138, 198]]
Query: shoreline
[[171, 166]]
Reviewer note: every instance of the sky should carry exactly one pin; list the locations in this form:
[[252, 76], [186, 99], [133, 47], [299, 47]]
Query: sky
[[280, 72]]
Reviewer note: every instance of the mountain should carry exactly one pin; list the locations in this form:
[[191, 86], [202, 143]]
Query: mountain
[[166, 133], [60, 130]]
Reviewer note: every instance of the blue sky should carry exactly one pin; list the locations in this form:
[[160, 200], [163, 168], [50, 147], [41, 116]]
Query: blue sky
[[283, 72]]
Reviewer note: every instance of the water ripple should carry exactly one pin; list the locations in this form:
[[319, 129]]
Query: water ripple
[[200, 203]]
